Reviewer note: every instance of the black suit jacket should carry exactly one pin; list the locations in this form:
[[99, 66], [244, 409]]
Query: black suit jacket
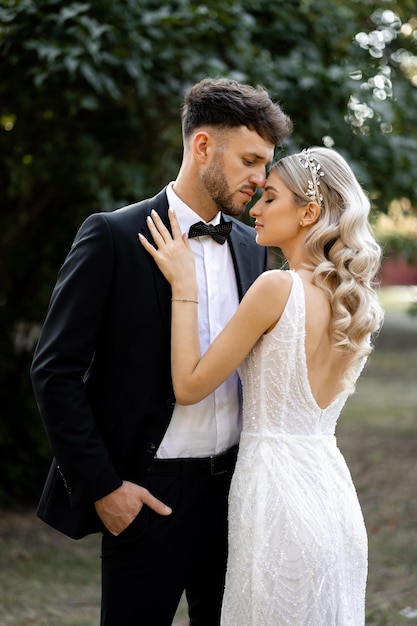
[[101, 369]]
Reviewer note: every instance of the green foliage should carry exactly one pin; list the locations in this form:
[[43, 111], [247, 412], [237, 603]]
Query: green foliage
[[397, 244], [90, 97]]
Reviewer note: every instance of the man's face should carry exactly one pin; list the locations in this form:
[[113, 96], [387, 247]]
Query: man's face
[[236, 169]]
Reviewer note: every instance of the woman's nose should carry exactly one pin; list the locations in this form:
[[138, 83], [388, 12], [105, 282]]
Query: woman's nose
[[254, 211]]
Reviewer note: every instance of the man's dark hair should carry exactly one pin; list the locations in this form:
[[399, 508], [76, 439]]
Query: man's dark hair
[[225, 103]]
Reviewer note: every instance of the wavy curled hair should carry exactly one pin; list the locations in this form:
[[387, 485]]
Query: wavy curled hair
[[343, 253]]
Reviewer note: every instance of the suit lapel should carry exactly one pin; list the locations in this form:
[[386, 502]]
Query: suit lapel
[[242, 260], [163, 290]]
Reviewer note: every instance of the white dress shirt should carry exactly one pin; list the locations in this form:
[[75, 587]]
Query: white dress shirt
[[212, 425]]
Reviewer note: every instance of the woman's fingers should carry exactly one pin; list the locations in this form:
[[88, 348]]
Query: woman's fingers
[[156, 228], [148, 246], [162, 229], [160, 232], [175, 227], [171, 253], [159, 225]]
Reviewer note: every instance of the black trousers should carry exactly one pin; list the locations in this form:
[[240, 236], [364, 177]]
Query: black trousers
[[148, 566]]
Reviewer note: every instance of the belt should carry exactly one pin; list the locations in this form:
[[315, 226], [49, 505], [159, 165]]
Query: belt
[[206, 466]]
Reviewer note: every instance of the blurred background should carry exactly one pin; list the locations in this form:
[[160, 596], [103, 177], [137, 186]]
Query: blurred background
[[90, 100]]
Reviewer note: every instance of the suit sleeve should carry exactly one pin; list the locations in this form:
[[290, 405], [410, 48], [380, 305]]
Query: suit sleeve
[[63, 355]]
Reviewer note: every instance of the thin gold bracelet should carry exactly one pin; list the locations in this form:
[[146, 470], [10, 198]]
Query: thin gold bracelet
[[183, 300]]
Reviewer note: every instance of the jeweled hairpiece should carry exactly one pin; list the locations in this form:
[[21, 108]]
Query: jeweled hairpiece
[[309, 162]]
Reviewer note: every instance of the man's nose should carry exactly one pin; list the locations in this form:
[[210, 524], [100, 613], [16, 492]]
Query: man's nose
[[258, 178]]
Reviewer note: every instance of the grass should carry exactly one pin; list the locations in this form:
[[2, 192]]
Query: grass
[[377, 435], [49, 580], [46, 579]]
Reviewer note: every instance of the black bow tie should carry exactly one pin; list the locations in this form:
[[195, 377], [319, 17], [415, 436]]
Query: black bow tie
[[219, 233]]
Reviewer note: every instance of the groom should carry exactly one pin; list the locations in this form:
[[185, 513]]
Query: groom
[[151, 475]]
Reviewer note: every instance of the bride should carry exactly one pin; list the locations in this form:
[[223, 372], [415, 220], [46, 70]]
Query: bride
[[300, 338]]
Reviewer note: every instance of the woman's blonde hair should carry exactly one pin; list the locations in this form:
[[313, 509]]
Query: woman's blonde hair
[[344, 255]]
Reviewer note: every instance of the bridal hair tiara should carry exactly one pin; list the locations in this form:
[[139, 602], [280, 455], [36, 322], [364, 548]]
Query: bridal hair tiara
[[309, 162]]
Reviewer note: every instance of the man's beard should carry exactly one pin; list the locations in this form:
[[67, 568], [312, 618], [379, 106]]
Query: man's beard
[[216, 184]]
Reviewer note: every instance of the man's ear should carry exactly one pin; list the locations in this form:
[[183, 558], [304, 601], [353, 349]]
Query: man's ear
[[200, 145]]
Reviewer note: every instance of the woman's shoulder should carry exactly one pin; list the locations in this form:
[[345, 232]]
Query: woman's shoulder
[[273, 288], [268, 297], [276, 279]]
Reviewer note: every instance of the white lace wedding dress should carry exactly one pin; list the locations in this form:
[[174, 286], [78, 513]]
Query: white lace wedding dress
[[297, 540]]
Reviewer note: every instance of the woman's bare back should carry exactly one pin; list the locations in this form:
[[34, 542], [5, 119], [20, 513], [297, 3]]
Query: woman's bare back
[[326, 363]]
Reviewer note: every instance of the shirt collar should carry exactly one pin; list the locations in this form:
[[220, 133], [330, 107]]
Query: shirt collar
[[185, 215]]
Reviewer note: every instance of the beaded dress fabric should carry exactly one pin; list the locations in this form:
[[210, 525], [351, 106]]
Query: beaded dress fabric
[[297, 540]]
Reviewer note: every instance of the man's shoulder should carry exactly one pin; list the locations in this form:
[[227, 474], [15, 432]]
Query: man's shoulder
[[126, 217], [158, 202]]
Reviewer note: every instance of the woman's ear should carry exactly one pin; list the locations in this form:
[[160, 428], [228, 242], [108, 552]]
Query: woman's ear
[[310, 214]]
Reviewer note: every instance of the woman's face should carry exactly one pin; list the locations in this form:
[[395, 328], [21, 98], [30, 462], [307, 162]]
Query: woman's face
[[277, 216]]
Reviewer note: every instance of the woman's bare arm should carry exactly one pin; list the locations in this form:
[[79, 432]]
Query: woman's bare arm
[[195, 376]]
